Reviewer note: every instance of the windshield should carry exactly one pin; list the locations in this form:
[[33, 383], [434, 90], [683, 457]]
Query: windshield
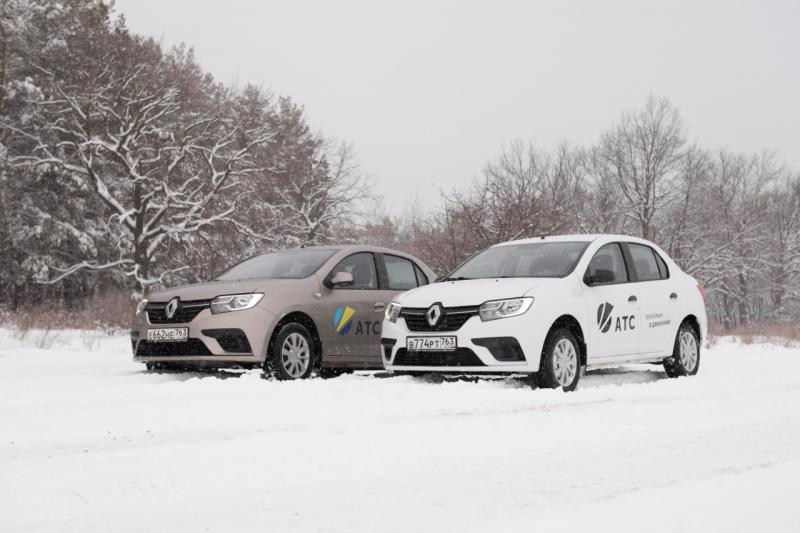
[[529, 260], [291, 264]]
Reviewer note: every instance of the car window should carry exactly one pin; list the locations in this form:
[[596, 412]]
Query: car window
[[362, 268], [607, 265], [662, 266], [400, 273], [422, 279], [644, 262]]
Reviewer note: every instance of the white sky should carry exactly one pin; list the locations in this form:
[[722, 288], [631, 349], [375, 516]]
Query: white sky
[[428, 91]]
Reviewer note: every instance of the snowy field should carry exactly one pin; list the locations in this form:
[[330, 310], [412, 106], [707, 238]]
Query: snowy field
[[90, 442]]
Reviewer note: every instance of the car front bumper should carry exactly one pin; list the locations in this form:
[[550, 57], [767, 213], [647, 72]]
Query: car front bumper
[[481, 347], [206, 344]]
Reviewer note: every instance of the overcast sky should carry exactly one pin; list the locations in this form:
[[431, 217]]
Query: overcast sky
[[428, 91]]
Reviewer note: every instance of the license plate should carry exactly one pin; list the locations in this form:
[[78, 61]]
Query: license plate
[[433, 344], [167, 334]]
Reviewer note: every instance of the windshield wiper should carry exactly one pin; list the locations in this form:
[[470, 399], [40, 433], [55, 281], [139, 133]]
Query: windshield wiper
[[457, 278]]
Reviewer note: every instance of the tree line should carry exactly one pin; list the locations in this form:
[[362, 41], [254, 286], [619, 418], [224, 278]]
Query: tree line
[[125, 166], [731, 220]]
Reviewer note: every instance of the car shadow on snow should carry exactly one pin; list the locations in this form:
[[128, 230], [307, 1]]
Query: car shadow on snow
[[184, 374], [623, 375]]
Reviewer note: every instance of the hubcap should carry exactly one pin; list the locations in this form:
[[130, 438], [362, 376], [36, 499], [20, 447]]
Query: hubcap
[[295, 355], [565, 362], [688, 351]]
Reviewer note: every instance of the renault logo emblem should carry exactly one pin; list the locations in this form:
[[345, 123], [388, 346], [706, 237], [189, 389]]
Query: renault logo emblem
[[433, 315], [172, 307]]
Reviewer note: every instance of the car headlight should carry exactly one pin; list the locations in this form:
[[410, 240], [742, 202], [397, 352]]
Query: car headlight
[[234, 302], [141, 306], [393, 311], [504, 308]]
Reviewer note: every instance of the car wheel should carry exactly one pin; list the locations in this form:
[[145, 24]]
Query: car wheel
[[292, 353], [685, 360], [561, 362]]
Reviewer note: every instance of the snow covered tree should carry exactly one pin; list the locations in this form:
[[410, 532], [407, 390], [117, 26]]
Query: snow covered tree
[[309, 188], [125, 164], [731, 220], [35, 35], [160, 171], [783, 253], [638, 160]]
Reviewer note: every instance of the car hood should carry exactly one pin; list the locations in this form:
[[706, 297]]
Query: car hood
[[470, 292], [212, 289]]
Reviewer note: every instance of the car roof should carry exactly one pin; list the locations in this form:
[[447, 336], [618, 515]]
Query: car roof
[[352, 248], [579, 237]]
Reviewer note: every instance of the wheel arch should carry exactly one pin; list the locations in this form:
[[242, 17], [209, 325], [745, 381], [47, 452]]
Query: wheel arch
[[570, 323], [692, 321], [304, 319]]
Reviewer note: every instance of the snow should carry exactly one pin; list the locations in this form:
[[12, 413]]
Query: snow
[[91, 442]]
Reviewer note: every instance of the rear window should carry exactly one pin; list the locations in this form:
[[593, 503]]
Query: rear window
[[662, 266], [644, 262], [422, 279], [400, 272]]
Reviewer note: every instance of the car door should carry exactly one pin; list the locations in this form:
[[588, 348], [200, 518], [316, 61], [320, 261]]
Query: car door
[[658, 299], [612, 304], [355, 312], [398, 275]]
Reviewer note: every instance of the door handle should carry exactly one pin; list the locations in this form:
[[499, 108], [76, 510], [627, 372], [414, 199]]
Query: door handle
[[379, 305], [632, 298], [673, 296]]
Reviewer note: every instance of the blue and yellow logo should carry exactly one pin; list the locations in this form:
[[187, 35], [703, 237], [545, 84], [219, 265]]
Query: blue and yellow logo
[[343, 319]]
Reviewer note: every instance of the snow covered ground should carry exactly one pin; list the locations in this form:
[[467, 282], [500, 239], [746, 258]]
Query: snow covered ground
[[90, 442]]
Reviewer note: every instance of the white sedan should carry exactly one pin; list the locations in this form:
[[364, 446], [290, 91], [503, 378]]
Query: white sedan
[[553, 307]]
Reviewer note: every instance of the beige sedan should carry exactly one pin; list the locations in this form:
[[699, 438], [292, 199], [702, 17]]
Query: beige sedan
[[290, 311]]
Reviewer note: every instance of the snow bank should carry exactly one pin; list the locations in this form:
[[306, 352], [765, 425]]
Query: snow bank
[[90, 442]]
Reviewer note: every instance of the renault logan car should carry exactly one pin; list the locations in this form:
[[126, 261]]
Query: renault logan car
[[291, 311], [551, 306]]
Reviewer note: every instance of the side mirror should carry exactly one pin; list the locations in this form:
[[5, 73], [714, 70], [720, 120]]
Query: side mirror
[[601, 276], [340, 279]]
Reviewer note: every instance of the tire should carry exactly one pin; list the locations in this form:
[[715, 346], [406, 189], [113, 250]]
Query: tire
[[292, 354], [685, 360], [560, 365]]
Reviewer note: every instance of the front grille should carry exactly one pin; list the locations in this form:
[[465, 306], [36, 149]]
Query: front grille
[[452, 318], [455, 358], [186, 311], [172, 348]]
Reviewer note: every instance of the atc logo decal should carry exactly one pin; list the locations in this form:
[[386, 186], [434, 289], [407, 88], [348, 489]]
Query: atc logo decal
[[343, 319], [620, 322], [604, 316]]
